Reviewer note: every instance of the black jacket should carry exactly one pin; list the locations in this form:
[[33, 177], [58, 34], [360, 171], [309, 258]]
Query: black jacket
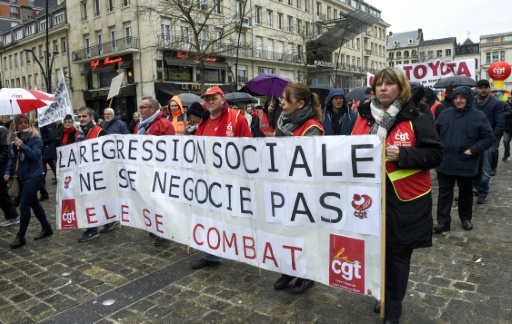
[[507, 113], [48, 137], [410, 223], [4, 150]]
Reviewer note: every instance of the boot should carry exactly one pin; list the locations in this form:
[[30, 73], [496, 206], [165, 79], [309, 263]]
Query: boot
[[18, 242], [45, 232]]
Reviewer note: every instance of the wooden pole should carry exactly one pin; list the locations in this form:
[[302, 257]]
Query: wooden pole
[[383, 231]]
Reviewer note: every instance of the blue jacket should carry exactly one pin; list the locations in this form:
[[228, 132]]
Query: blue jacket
[[30, 164], [348, 117], [115, 126], [493, 109], [462, 129]]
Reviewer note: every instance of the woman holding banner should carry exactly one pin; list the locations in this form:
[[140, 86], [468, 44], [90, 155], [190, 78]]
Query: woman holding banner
[[25, 159], [301, 116], [412, 148]]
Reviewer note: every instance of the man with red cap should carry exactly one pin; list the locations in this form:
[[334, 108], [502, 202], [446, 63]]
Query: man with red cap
[[219, 120]]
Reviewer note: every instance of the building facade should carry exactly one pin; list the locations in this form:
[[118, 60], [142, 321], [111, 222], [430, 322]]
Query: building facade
[[493, 48]]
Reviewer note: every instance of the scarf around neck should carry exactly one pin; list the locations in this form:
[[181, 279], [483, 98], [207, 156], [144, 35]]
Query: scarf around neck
[[484, 101], [144, 123], [287, 124], [384, 119], [83, 131]]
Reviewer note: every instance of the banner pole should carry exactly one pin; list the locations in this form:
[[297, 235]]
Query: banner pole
[[110, 103], [383, 231]]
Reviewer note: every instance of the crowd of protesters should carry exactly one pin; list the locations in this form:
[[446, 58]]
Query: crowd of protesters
[[458, 137]]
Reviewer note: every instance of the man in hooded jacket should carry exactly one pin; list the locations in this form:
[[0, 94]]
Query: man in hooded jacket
[[339, 119], [176, 115]]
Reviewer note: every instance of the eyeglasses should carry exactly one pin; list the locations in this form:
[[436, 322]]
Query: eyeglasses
[[68, 122]]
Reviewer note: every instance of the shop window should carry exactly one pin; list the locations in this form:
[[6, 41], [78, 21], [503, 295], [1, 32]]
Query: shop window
[[178, 73], [213, 76]]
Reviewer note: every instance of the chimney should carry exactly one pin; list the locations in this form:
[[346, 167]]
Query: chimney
[[390, 33]]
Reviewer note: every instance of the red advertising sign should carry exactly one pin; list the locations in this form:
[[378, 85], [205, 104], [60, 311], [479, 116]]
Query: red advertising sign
[[68, 214], [346, 268]]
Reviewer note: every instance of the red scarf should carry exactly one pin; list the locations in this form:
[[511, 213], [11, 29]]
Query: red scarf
[[66, 133]]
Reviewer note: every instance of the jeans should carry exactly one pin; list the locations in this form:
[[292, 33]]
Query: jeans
[[506, 143], [445, 198], [28, 199], [481, 183], [398, 266], [495, 152]]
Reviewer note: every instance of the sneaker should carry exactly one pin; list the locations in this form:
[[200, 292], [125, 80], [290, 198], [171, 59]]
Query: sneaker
[[89, 235], [10, 221], [108, 227], [504, 158]]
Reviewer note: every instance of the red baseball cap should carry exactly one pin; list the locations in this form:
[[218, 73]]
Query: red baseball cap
[[212, 91]]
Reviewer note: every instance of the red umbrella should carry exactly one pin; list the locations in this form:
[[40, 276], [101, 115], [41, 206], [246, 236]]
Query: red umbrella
[[15, 101]]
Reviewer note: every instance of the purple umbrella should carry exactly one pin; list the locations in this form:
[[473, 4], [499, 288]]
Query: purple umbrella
[[268, 85]]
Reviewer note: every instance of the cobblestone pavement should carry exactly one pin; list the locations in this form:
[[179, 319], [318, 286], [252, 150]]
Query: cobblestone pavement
[[121, 277]]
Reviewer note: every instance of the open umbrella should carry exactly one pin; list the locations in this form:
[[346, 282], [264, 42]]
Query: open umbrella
[[239, 97], [268, 85], [15, 101], [188, 98], [357, 94], [455, 81], [322, 90]]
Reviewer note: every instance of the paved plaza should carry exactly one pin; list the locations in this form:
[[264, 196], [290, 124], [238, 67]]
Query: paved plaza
[[121, 277]]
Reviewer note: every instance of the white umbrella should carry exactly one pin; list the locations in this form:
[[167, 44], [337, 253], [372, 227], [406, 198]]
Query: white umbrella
[[15, 101]]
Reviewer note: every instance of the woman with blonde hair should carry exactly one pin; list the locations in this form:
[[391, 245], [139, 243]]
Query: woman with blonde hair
[[25, 152]]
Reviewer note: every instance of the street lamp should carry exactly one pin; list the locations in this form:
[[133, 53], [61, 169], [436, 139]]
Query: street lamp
[[48, 74]]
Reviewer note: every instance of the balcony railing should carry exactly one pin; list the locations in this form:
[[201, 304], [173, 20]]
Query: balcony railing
[[106, 48], [367, 52]]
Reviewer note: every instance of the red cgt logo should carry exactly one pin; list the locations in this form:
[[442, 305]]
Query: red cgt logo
[[68, 214], [365, 202], [67, 181], [346, 269]]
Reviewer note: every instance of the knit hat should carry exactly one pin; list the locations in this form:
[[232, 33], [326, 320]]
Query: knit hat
[[483, 82], [195, 109], [68, 117]]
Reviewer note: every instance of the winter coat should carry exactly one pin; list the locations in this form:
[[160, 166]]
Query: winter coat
[[418, 91], [410, 223], [30, 164], [462, 129], [160, 126], [115, 126], [48, 137], [4, 149], [507, 113], [347, 119], [493, 109]]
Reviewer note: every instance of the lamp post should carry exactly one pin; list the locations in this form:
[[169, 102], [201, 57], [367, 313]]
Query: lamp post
[[47, 73]]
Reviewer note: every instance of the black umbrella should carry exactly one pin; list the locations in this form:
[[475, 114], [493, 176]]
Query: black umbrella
[[455, 81], [357, 94], [239, 97], [322, 90], [188, 98]]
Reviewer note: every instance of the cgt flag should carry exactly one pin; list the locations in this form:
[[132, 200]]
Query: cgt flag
[[369, 79]]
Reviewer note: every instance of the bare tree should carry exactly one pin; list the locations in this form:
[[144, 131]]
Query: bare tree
[[211, 28]]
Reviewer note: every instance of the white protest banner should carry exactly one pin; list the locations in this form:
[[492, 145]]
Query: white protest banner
[[115, 86], [428, 73], [57, 110], [306, 206]]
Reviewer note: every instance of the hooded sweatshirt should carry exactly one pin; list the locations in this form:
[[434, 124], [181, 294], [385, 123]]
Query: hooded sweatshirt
[[342, 122], [179, 118]]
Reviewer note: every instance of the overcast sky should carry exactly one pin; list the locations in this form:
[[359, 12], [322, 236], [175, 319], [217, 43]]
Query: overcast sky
[[447, 18]]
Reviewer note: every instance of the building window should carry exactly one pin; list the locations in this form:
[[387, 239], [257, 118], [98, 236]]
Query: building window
[[241, 73], [55, 46], [280, 20], [265, 70], [290, 23], [270, 22], [299, 26], [439, 53], [58, 18], [299, 4], [239, 10], [42, 25], [258, 15], [14, 12], [110, 5], [217, 7], [19, 34], [328, 13], [84, 10], [165, 28], [306, 6], [97, 8], [126, 3], [63, 45], [448, 52]]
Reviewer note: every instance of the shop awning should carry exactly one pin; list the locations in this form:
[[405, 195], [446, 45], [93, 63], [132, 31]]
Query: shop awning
[[177, 62], [215, 65], [105, 68], [125, 64]]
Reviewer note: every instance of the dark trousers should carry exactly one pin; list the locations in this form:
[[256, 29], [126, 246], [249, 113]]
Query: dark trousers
[[495, 152], [398, 265], [51, 163], [6, 202], [28, 199], [445, 198]]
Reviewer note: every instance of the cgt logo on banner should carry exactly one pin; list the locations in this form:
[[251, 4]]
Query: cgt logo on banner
[[68, 214], [360, 209], [347, 268]]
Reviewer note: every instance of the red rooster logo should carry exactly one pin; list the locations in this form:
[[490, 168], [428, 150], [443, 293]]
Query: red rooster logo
[[360, 208], [67, 181]]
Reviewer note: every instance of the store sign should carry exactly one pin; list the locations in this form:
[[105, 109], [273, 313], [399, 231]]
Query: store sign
[[185, 55], [106, 61]]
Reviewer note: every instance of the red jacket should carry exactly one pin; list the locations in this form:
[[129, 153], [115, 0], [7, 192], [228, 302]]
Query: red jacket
[[160, 126], [232, 123]]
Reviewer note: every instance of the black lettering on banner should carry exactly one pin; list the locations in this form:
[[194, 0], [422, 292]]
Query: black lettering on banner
[[232, 166], [120, 147], [86, 181], [324, 164], [274, 203], [305, 211], [147, 150], [158, 180], [128, 179], [229, 196], [72, 158], [355, 160], [324, 204], [132, 146], [245, 159], [83, 149], [217, 165], [161, 150], [175, 153], [173, 185], [185, 146], [189, 198], [201, 151], [94, 151], [108, 157], [272, 159], [201, 201], [215, 184], [242, 199], [304, 165]]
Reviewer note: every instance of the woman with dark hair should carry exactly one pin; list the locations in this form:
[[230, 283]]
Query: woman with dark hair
[[413, 147], [69, 131], [301, 116], [25, 159]]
